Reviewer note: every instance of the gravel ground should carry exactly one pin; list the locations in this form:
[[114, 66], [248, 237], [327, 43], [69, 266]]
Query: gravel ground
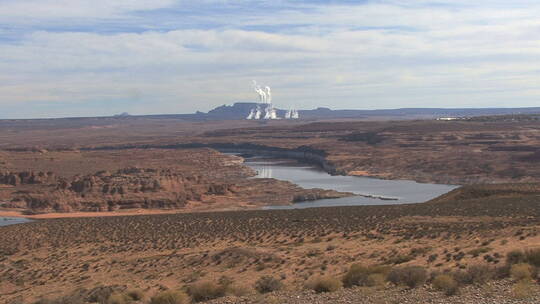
[[499, 292]]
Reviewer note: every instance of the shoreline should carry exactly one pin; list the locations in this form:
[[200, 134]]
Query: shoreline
[[242, 206], [55, 215], [304, 154], [124, 212]]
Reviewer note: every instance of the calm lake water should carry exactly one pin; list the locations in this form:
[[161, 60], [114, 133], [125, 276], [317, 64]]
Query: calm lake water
[[4, 221], [306, 176]]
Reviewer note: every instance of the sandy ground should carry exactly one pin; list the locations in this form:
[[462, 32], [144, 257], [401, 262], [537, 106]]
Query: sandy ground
[[12, 213]]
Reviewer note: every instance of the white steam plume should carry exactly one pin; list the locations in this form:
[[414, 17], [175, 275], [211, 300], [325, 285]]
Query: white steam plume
[[260, 92], [268, 94]]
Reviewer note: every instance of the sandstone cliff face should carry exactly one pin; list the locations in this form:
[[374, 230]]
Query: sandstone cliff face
[[105, 191], [26, 177]]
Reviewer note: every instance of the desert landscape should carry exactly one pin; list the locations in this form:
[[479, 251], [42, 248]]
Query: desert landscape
[[177, 165], [476, 234], [145, 216], [269, 152]]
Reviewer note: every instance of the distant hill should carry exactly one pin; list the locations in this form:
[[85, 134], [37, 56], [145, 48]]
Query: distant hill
[[240, 110]]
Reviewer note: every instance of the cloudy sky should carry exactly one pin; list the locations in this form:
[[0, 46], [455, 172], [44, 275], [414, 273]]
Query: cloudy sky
[[102, 57]]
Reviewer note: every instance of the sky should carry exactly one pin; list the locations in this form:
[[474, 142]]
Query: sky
[[61, 58]]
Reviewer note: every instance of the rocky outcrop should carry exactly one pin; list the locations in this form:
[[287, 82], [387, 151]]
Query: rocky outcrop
[[317, 194], [108, 180], [26, 177], [105, 191]]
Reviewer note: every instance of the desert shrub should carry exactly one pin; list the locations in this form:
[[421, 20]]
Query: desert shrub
[[410, 276], [206, 291], [170, 297], [462, 277], [376, 279], [101, 294], [446, 284], [62, 300], [480, 274], [515, 257], [358, 275], [135, 294], [502, 272], [533, 257], [239, 290], [44, 301], [521, 272], [400, 259], [523, 290], [380, 269], [324, 284], [478, 251], [118, 298], [267, 284], [225, 281]]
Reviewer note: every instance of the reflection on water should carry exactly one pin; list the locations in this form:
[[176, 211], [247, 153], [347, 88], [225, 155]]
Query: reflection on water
[[4, 221], [402, 191], [265, 172]]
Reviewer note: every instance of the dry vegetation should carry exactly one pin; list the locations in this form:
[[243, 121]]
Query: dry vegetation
[[472, 235], [478, 235]]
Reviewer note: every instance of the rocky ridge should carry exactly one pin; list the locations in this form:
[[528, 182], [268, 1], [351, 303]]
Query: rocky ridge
[[105, 191], [97, 181]]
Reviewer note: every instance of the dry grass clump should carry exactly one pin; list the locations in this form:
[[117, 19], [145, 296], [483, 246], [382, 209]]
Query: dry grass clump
[[170, 297], [376, 280], [324, 284], [446, 284], [239, 290], [266, 284], [515, 257], [410, 276], [119, 298], [478, 274], [44, 301], [478, 251], [522, 271], [135, 294], [206, 291], [359, 275], [523, 290], [533, 257]]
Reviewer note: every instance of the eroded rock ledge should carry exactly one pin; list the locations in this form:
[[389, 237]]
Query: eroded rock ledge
[[201, 179]]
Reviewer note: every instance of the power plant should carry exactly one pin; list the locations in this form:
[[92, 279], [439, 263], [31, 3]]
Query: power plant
[[265, 109]]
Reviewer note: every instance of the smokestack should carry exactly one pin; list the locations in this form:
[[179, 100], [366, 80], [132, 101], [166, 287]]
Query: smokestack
[[268, 94]]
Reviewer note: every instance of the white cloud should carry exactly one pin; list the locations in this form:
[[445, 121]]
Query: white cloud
[[54, 9], [368, 56]]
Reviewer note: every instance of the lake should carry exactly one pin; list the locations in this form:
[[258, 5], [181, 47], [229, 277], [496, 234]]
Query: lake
[[307, 176], [4, 221]]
